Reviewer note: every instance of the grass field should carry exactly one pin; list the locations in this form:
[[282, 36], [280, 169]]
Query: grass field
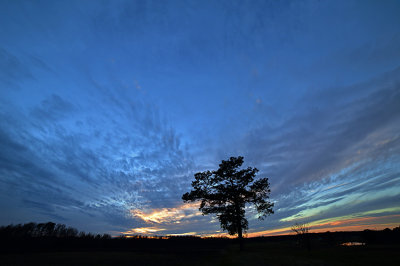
[[254, 254]]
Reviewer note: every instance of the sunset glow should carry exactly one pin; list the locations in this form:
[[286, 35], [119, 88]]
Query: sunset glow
[[143, 230], [168, 215], [108, 109]]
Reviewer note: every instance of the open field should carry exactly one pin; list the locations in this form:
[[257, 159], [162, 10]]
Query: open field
[[255, 253], [18, 247]]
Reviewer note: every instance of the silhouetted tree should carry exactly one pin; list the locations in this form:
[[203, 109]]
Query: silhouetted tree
[[302, 230], [226, 191], [60, 230], [48, 229]]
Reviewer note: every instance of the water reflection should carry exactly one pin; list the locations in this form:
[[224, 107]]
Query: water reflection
[[353, 244]]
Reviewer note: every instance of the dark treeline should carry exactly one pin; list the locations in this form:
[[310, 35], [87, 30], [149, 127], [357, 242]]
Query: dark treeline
[[58, 237], [46, 236], [45, 230]]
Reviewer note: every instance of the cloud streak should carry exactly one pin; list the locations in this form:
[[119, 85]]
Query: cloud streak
[[106, 112]]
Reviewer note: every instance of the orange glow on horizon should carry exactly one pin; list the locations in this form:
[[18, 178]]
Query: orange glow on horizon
[[160, 219], [143, 230], [362, 223], [347, 225]]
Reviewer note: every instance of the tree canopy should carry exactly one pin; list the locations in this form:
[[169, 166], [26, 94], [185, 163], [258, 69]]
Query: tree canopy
[[226, 191]]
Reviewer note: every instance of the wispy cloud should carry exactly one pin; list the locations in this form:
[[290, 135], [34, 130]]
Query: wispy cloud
[[107, 111], [50, 155], [168, 215]]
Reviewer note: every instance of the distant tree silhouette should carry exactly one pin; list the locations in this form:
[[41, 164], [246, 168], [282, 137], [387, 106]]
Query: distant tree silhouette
[[45, 230], [302, 230], [226, 191]]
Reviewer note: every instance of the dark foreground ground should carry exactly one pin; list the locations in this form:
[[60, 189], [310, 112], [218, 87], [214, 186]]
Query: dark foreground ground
[[51, 244], [255, 253], [57, 244]]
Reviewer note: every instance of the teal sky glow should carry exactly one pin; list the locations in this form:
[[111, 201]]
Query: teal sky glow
[[108, 108]]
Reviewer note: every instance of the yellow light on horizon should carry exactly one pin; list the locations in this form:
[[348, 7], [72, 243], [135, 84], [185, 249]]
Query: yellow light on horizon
[[168, 215]]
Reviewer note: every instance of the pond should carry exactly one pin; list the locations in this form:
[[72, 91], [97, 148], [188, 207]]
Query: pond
[[353, 244]]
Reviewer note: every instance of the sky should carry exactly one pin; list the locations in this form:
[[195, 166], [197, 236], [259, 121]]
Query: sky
[[108, 108]]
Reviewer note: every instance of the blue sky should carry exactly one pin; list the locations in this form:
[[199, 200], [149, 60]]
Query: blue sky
[[108, 108]]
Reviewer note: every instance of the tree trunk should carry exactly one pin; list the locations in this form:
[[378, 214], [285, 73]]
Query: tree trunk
[[239, 227], [240, 236]]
